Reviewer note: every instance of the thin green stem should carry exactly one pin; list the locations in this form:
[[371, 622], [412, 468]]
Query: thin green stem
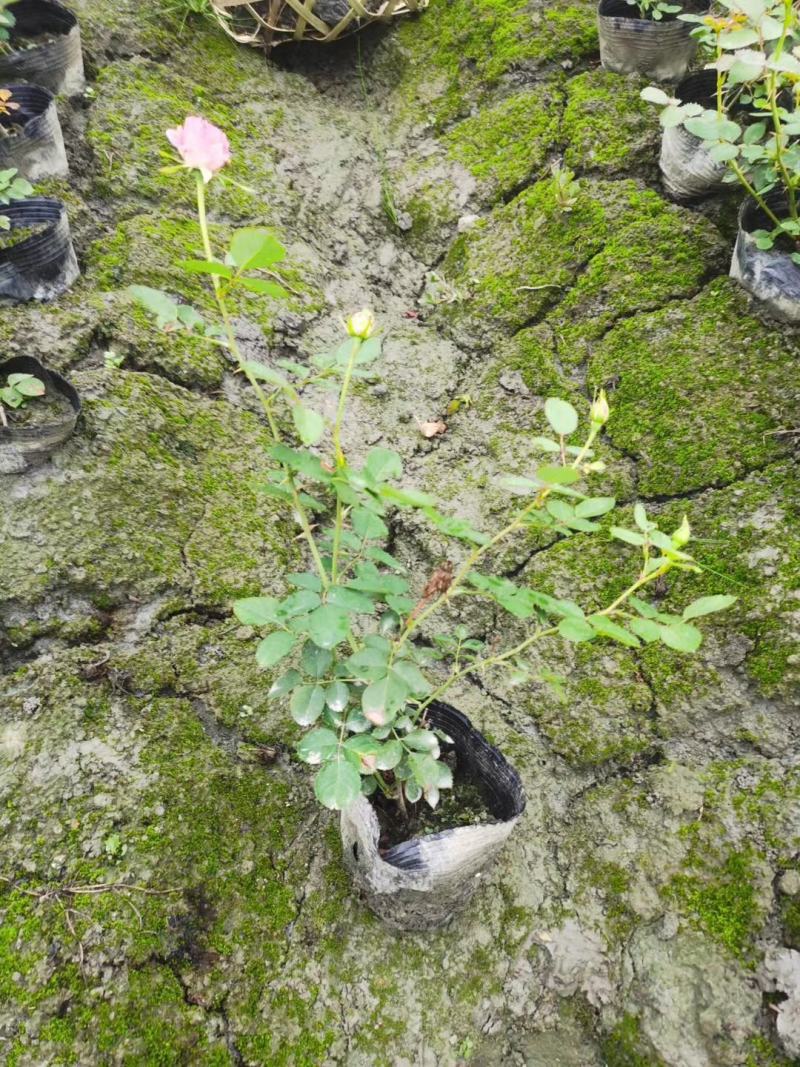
[[414, 622], [233, 345]]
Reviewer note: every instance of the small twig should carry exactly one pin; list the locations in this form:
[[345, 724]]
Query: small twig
[[533, 288]]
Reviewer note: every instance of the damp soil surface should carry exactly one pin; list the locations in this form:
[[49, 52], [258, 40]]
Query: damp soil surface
[[52, 407]]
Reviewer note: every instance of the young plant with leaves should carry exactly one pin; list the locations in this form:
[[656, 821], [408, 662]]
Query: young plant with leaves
[[7, 108], [7, 24], [18, 390], [654, 9], [12, 187], [358, 680], [754, 127]]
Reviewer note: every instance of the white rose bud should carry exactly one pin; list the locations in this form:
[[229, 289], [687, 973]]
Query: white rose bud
[[362, 324], [599, 411]]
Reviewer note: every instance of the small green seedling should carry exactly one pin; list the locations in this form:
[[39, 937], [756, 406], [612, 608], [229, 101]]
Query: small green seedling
[[12, 187], [20, 388], [654, 9], [7, 23], [565, 188]]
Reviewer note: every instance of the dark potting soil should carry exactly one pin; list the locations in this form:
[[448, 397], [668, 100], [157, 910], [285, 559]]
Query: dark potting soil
[[29, 41], [463, 805], [39, 410], [17, 234]]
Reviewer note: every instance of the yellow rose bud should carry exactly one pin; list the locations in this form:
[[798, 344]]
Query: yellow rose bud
[[362, 324], [600, 411], [683, 534]]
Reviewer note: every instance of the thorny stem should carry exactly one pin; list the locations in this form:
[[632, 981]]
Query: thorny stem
[[233, 345], [413, 622], [355, 347], [480, 665]]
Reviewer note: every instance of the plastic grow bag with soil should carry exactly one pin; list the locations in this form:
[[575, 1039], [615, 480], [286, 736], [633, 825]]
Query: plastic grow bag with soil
[[37, 260], [267, 23], [35, 431], [661, 49], [32, 140], [420, 883], [688, 171], [771, 274], [46, 47]]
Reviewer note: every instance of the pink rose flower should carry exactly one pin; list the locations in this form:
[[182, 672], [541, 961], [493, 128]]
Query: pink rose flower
[[202, 146]]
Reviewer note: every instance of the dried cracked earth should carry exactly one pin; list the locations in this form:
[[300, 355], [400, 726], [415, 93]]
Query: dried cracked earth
[[658, 862]]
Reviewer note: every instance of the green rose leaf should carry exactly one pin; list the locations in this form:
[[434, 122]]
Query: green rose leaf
[[274, 648], [307, 703], [257, 610], [317, 746], [328, 626], [707, 605], [576, 629], [309, 424], [681, 636], [562, 416], [338, 785], [255, 248]]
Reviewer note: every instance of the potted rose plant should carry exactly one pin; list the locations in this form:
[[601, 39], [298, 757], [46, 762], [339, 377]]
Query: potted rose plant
[[367, 693], [30, 133], [38, 412], [645, 37], [757, 70]]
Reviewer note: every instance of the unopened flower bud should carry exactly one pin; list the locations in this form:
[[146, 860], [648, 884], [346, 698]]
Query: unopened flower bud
[[599, 411], [362, 324], [682, 534], [597, 466]]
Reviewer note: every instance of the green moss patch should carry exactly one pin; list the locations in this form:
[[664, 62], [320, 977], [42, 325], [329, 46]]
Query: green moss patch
[[606, 126], [697, 390], [507, 143]]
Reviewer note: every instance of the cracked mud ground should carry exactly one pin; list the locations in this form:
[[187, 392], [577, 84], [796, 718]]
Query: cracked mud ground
[[627, 920]]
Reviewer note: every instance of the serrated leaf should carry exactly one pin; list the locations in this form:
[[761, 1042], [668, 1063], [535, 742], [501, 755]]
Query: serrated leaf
[[274, 648], [595, 506], [317, 746], [382, 464], [629, 536], [350, 600], [682, 637], [707, 605], [645, 628], [338, 785], [576, 630], [257, 610], [606, 627], [309, 424], [283, 685], [552, 475], [307, 703], [337, 696], [255, 248], [368, 525], [327, 626], [315, 661]]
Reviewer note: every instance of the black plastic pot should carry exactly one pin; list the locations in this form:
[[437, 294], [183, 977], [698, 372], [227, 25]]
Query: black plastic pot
[[421, 883], [772, 276], [661, 50], [22, 447], [687, 169], [44, 265], [57, 63], [34, 143]]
